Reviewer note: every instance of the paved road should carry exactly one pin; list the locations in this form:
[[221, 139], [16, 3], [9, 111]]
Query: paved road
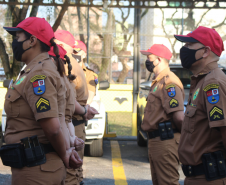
[[99, 171], [123, 163]]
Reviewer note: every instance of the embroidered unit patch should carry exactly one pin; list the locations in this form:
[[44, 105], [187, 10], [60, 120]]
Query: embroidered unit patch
[[42, 105], [155, 89], [171, 85], [212, 93], [211, 86], [38, 83], [216, 113], [20, 80], [173, 103], [196, 94], [171, 92], [96, 78]]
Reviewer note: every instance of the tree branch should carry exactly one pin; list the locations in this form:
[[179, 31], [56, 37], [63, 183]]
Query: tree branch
[[202, 17], [60, 16], [34, 9], [221, 24]]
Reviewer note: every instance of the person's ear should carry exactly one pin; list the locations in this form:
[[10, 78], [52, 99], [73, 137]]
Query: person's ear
[[159, 59], [33, 40], [207, 51]]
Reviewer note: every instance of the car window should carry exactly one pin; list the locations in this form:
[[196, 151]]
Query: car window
[[184, 75], [224, 71]]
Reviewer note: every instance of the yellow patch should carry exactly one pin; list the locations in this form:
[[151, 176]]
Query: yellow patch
[[169, 86], [211, 86], [173, 103], [216, 113], [37, 77], [42, 105]]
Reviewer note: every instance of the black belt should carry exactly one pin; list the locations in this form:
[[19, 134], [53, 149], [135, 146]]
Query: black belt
[[190, 171], [156, 133], [47, 148], [77, 122]]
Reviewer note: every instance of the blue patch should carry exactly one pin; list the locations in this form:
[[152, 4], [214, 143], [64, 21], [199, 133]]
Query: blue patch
[[39, 87], [213, 96], [96, 81], [171, 92]]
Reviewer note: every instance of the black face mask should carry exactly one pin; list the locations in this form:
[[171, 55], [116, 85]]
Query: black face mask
[[149, 65], [187, 57], [77, 58], [18, 49]]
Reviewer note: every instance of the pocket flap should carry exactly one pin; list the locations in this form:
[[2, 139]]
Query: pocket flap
[[151, 98], [52, 165], [190, 111], [12, 95]]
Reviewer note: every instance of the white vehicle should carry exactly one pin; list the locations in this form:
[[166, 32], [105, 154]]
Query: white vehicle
[[95, 129]]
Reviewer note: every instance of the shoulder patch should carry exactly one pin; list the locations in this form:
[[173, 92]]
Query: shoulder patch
[[20, 80], [95, 78], [171, 90], [196, 94], [38, 82], [211, 86], [212, 93], [155, 89], [173, 103], [42, 105], [171, 85], [216, 114]]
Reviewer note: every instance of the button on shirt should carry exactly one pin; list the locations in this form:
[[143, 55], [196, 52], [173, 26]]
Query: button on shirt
[[165, 97], [38, 93], [204, 114]]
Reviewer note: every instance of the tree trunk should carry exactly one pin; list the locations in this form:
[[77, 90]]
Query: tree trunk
[[124, 71], [80, 25], [34, 9], [5, 59], [107, 43], [60, 17]]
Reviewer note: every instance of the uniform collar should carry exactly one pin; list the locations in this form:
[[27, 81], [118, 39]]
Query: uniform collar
[[162, 74], [209, 67], [35, 61], [83, 67]]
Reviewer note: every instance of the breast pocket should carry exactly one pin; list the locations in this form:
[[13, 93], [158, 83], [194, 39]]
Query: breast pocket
[[189, 120], [12, 104], [150, 102]]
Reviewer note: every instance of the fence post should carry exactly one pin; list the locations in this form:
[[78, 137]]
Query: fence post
[[136, 67]]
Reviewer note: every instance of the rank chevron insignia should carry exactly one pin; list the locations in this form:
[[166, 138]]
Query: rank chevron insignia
[[38, 82], [216, 113], [173, 103], [42, 105]]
